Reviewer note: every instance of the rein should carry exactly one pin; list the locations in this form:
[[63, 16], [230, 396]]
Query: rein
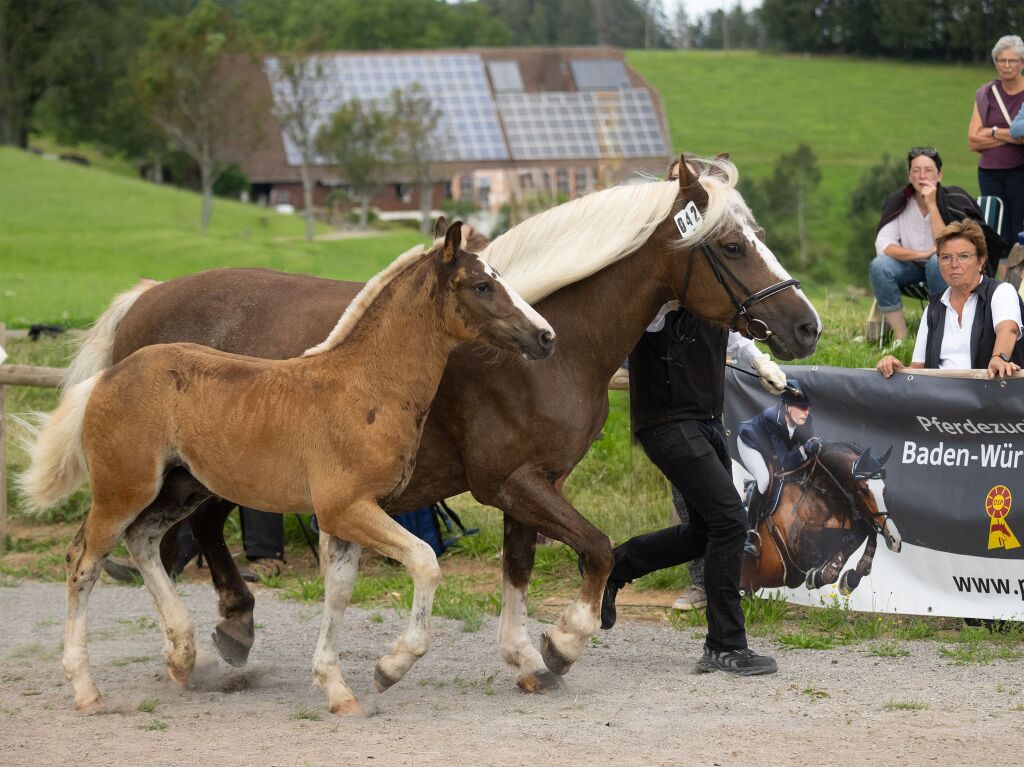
[[758, 330], [815, 463]]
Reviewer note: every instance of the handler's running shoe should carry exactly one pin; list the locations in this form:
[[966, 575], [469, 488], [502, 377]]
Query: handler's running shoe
[[743, 662]]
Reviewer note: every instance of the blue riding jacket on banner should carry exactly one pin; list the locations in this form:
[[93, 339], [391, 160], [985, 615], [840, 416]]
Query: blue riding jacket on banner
[[768, 433]]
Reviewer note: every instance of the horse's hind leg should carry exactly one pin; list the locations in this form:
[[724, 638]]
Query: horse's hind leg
[[234, 634], [143, 541], [513, 640], [85, 556], [339, 565]]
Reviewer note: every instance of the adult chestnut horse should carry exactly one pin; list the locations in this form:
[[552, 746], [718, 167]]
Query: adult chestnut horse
[[334, 431], [826, 510], [598, 268]]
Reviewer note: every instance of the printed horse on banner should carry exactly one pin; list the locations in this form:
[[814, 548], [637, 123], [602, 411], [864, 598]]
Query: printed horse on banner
[[826, 510]]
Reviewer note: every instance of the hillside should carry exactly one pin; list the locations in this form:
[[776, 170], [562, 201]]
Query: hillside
[[73, 237], [758, 106]]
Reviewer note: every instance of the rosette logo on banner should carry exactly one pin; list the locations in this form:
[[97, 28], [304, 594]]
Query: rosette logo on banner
[[936, 536]]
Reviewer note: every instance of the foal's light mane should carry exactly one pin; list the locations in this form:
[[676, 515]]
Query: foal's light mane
[[573, 241], [364, 298]]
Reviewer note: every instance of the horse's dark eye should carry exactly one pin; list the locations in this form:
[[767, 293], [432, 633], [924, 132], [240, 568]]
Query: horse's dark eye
[[482, 287], [732, 250]]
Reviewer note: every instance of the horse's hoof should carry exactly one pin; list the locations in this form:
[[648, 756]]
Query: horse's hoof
[[849, 581], [540, 682], [178, 674], [349, 707], [234, 652], [89, 705], [381, 680], [553, 659]]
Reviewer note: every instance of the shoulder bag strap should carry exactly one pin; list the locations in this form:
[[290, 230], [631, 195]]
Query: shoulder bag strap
[[1002, 106]]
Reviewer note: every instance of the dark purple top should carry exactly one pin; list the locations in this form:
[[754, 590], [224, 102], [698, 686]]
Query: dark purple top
[[1004, 156]]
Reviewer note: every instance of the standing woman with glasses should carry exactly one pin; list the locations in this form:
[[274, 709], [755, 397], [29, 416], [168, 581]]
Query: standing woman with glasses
[[976, 322], [1001, 167]]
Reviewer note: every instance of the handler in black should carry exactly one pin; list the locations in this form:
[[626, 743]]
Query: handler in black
[[677, 381], [676, 389]]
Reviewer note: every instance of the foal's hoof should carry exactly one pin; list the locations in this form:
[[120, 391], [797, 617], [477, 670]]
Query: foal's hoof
[[348, 707], [553, 658], [89, 705], [178, 674], [234, 652], [381, 680], [540, 682]]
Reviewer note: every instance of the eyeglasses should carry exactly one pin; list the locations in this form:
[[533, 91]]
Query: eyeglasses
[[1007, 62], [924, 151], [961, 258]]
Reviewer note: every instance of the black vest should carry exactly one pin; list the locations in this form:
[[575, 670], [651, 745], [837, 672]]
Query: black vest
[[983, 335], [678, 373]]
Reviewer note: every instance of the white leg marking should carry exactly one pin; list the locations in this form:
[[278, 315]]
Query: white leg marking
[[339, 567], [143, 541], [513, 640], [76, 654]]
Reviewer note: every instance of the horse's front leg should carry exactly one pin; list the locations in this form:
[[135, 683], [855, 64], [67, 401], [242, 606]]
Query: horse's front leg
[[339, 566], [533, 500], [520, 545], [366, 524], [851, 578], [234, 634]]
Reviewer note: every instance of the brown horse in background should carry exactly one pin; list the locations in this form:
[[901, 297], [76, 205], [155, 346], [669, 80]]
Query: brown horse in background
[[334, 431], [826, 509], [598, 268]]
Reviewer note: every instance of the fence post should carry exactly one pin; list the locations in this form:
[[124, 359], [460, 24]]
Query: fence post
[[3, 454]]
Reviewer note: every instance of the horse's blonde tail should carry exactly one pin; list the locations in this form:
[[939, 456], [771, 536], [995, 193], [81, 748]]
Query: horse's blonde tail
[[95, 350], [58, 466]]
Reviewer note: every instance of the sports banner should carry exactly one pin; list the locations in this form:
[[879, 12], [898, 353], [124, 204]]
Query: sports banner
[[922, 476]]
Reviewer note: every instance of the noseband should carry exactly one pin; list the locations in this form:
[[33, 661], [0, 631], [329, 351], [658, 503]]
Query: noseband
[[762, 332]]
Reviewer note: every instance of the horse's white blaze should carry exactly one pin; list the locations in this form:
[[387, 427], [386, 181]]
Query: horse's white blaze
[[890, 532], [513, 639], [519, 303], [776, 268]]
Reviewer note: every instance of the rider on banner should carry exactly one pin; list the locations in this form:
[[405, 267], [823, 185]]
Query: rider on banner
[[780, 437]]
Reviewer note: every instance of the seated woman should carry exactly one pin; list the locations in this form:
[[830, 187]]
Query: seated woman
[[779, 438], [976, 322]]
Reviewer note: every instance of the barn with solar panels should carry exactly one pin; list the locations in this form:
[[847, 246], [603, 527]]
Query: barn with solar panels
[[515, 122]]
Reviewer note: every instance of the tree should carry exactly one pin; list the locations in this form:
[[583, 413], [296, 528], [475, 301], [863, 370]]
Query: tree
[[795, 177], [298, 102], [28, 31], [417, 142], [191, 88], [358, 141]]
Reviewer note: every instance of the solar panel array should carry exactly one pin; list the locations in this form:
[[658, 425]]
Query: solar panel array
[[599, 74], [601, 120], [455, 83]]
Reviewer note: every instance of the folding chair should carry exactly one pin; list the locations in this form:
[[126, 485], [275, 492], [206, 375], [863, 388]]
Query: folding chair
[[992, 209]]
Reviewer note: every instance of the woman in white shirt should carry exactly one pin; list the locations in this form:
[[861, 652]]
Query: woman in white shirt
[[976, 322]]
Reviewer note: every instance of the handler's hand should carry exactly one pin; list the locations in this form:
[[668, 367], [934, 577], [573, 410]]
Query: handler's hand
[[997, 368], [889, 365], [770, 374]]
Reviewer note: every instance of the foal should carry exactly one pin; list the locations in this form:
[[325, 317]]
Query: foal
[[335, 431]]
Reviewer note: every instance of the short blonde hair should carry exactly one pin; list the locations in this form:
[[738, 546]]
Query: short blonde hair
[[964, 230]]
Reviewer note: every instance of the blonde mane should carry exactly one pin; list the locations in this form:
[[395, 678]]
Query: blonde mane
[[364, 298], [570, 242]]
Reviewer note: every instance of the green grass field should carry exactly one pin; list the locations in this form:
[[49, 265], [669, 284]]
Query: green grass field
[[850, 111], [73, 237]]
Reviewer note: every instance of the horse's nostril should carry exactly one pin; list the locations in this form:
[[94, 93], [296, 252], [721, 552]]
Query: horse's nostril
[[546, 339]]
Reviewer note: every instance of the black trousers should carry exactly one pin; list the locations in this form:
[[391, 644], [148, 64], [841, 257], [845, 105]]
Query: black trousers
[[262, 533], [693, 455]]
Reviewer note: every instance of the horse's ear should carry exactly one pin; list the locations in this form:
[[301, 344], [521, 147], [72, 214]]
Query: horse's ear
[[689, 184], [452, 242], [885, 457], [722, 156], [440, 227]]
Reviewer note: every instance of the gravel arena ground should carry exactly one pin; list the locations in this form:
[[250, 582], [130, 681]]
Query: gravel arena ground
[[632, 699]]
